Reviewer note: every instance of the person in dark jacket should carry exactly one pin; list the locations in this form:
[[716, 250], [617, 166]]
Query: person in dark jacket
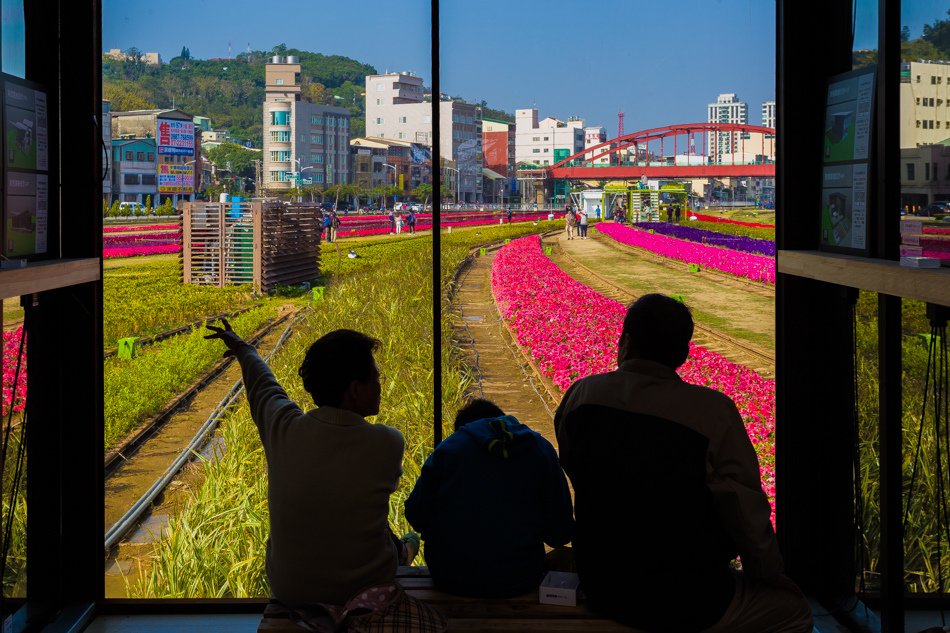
[[494, 481]]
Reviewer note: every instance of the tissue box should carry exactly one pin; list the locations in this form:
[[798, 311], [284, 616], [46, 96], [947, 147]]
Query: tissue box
[[559, 587], [910, 240], [912, 226], [911, 251], [920, 262]]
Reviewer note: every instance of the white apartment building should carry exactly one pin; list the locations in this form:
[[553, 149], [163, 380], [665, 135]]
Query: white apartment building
[[925, 103], [595, 136], [396, 109], [304, 143], [727, 109], [547, 141], [768, 114]]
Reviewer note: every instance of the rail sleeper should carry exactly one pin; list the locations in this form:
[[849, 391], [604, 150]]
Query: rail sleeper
[[493, 615]]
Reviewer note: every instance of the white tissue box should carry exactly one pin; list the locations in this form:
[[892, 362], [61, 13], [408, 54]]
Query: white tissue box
[[559, 587]]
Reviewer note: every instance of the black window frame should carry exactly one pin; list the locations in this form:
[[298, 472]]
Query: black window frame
[[65, 585]]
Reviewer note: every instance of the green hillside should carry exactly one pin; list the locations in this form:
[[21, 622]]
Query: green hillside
[[230, 91]]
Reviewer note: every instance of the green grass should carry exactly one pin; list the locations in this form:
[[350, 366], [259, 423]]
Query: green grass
[[215, 546]]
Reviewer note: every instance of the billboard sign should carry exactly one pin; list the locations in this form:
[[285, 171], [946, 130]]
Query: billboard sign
[[176, 137], [176, 178], [420, 153]]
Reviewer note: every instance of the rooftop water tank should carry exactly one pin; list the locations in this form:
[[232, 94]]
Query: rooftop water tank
[[293, 59], [277, 59]]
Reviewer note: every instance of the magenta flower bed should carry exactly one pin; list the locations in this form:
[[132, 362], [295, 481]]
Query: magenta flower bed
[[936, 231], [755, 267], [154, 238], [135, 251], [571, 331], [133, 227], [359, 226], [13, 394], [712, 218]]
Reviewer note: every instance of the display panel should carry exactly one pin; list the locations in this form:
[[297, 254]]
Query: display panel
[[845, 160], [25, 169]]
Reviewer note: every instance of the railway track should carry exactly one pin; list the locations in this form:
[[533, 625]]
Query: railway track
[[759, 360], [721, 278], [185, 450]]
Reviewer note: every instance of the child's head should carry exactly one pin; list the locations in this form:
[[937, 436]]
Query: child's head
[[477, 409]]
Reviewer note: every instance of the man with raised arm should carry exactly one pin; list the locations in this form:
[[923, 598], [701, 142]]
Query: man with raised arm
[[667, 492], [330, 552]]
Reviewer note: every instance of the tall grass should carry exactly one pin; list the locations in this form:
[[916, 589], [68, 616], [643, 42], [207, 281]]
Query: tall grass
[[921, 561], [215, 546]]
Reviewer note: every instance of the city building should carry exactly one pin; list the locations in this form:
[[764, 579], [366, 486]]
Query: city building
[[383, 161], [396, 108], [134, 170], [150, 59], [925, 174], [768, 114], [547, 141], [105, 123], [595, 136], [727, 109], [304, 143], [498, 152], [176, 155], [925, 103]]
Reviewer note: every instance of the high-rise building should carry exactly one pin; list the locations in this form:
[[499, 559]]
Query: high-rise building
[[396, 108], [768, 114], [304, 142], [727, 109], [595, 136]]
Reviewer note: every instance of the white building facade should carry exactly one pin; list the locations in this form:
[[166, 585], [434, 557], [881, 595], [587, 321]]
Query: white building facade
[[768, 114], [547, 141], [925, 103], [396, 109]]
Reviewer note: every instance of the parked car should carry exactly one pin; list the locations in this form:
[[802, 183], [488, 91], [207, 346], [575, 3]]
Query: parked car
[[416, 206], [131, 208], [937, 208]]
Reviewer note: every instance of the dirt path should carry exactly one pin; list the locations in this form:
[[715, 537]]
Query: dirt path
[[744, 315], [504, 374]]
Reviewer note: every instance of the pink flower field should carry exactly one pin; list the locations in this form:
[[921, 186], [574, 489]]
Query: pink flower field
[[754, 267], [13, 394], [715, 218], [571, 331]]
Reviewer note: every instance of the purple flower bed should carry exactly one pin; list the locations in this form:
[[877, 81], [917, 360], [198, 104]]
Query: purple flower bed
[[712, 238]]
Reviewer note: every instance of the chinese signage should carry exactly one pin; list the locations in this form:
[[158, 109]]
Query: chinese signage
[[25, 210], [176, 178], [176, 137]]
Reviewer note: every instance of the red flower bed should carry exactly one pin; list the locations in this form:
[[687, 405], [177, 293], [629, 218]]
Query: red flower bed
[[13, 394], [712, 218]]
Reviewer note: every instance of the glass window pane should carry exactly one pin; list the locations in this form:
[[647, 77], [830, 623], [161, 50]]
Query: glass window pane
[[283, 128]]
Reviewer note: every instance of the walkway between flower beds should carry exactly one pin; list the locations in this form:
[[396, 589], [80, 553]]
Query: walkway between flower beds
[[504, 371]]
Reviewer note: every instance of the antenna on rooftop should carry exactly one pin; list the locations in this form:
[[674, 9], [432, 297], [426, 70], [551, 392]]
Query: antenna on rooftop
[[620, 124]]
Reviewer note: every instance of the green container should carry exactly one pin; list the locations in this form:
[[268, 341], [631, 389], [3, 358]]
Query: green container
[[482, 252], [694, 268], [507, 241], [548, 250], [318, 293], [679, 298], [127, 347]]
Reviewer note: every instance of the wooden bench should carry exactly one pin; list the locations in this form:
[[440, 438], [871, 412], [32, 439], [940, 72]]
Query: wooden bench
[[494, 615]]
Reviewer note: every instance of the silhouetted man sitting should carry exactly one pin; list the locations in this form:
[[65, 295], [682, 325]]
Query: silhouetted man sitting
[[331, 555], [487, 500], [667, 492]]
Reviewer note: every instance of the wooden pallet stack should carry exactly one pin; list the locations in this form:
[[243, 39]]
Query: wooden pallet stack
[[267, 244]]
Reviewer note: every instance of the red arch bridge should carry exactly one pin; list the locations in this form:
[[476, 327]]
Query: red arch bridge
[[688, 150]]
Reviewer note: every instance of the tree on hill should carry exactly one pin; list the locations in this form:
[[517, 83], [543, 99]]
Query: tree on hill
[[185, 53], [938, 34], [233, 158], [124, 97]]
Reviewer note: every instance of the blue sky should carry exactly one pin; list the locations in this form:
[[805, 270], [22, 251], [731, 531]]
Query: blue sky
[[659, 62]]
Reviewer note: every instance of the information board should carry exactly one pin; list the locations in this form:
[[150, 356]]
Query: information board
[[846, 162], [25, 181]]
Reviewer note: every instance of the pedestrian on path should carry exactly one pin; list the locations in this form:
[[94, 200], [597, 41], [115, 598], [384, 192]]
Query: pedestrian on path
[[392, 220], [398, 222], [582, 222], [570, 222], [411, 222]]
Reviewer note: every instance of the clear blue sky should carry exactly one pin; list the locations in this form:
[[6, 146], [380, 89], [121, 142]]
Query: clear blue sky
[[659, 62]]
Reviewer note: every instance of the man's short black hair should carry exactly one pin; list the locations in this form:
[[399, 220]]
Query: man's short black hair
[[658, 328], [477, 409], [334, 361]]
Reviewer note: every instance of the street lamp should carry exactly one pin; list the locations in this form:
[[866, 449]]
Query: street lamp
[[458, 177], [395, 171]]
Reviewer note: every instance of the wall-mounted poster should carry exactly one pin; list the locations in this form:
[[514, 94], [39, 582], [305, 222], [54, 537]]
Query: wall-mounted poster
[[25, 163], [846, 162]]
